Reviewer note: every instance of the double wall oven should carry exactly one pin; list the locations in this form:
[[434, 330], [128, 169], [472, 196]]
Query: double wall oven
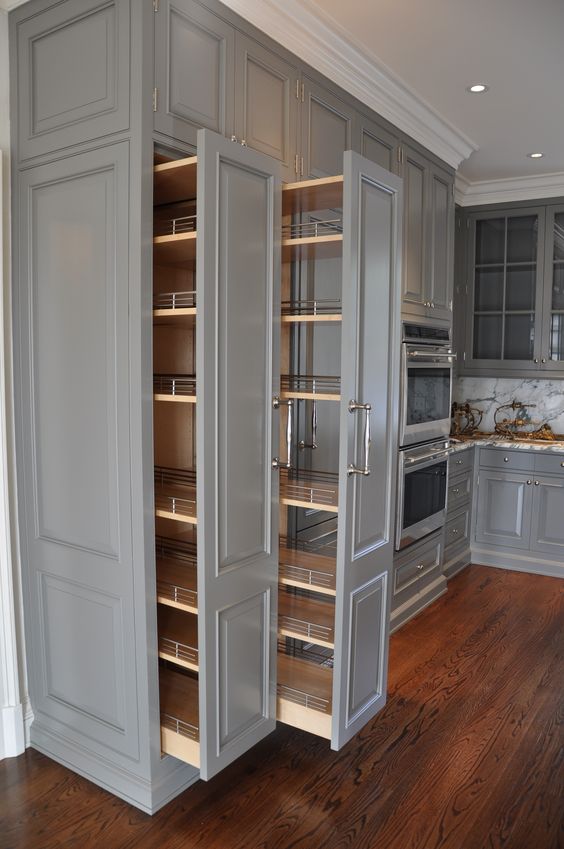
[[427, 363]]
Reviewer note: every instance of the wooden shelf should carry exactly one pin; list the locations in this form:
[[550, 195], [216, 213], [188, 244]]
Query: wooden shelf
[[177, 316], [316, 491], [178, 250], [175, 387], [304, 695], [178, 637], [306, 619], [311, 319], [177, 585], [307, 571], [175, 181], [310, 387], [177, 503], [311, 247], [312, 195], [180, 725]]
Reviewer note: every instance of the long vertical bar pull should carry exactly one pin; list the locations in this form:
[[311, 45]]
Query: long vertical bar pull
[[276, 462], [365, 470], [313, 444]]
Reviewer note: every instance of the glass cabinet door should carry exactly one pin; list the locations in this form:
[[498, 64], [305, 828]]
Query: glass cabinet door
[[506, 274], [553, 340]]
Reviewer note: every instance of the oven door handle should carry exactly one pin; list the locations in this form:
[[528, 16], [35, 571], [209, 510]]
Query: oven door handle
[[414, 462], [363, 470], [429, 356]]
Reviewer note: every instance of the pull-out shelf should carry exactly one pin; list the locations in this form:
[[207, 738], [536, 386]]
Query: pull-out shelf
[[178, 388], [304, 695], [311, 311], [306, 571], [179, 249], [180, 726], [177, 585], [175, 181], [313, 490], [310, 387], [170, 306], [312, 195], [178, 637], [175, 495], [306, 619]]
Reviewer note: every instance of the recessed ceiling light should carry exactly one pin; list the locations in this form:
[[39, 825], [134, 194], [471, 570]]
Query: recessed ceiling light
[[477, 88], [535, 155]]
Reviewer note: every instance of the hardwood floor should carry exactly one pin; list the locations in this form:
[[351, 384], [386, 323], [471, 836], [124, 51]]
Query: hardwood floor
[[468, 752]]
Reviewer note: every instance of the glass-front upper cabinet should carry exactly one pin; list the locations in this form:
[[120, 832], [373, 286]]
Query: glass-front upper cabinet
[[552, 354], [505, 291]]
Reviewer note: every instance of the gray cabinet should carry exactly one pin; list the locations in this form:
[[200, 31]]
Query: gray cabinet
[[266, 105], [428, 246], [459, 512], [194, 71], [512, 295], [378, 144], [328, 128], [521, 508], [417, 578]]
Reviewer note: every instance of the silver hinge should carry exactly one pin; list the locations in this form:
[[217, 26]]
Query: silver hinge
[[155, 99], [156, 5]]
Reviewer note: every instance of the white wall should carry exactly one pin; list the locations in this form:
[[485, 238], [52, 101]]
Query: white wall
[[13, 684]]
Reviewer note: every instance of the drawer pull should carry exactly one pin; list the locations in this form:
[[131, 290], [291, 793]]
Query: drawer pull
[[562, 464], [537, 483], [529, 483], [454, 531], [420, 566], [506, 459], [455, 491], [459, 462]]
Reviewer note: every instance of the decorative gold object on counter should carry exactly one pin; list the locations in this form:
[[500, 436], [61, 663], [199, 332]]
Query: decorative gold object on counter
[[465, 420], [520, 425]]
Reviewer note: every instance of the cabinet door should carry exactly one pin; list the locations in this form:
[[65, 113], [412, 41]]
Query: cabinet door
[[372, 212], [328, 129], [504, 509], [547, 533], [194, 70], [266, 106], [552, 344], [378, 144], [72, 73], [415, 290], [74, 464], [441, 270], [505, 274], [237, 353]]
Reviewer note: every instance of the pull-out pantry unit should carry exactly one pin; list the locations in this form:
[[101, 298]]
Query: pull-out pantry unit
[[272, 571]]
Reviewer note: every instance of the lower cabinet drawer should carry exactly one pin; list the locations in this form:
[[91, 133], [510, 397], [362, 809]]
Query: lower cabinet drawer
[[417, 564], [457, 532], [461, 461], [459, 490], [506, 459], [550, 464]]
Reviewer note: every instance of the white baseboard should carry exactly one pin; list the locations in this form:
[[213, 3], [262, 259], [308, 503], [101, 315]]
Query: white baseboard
[[12, 731]]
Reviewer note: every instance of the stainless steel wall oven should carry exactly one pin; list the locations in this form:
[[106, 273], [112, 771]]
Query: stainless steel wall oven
[[422, 491]]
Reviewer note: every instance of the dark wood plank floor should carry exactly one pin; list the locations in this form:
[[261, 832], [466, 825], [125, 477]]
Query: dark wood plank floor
[[468, 752]]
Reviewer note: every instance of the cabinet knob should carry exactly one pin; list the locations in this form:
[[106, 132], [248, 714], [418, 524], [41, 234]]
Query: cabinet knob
[[243, 142], [543, 360], [233, 138], [529, 483], [506, 459], [420, 566], [454, 531], [562, 464], [455, 491], [432, 305], [536, 359], [459, 462], [537, 483]]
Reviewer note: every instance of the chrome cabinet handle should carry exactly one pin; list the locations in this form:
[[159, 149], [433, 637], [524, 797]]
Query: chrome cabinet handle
[[276, 461], [562, 464], [543, 360], [537, 483], [313, 444], [420, 566], [233, 138], [506, 459], [529, 483], [455, 491], [243, 142], [459, 462], [536, 359], [365, 470]]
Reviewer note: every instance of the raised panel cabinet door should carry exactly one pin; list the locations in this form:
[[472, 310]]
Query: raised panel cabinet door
[[415, 289], [547, 534], [266, 106], [194, 70], [378, 144], [552, 341], [441, 255], [504, 509], [72, 73], [71, 326], [328, 128], [372, 212], [237, 362]]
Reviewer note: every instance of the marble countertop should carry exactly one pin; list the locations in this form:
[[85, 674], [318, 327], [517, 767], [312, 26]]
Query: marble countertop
[[555, 447]]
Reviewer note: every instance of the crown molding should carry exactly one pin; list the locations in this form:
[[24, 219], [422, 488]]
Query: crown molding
[[8, 5], [509, 189], [320, 41]]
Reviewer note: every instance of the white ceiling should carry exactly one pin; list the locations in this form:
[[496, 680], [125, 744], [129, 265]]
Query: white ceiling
[[438, 47]]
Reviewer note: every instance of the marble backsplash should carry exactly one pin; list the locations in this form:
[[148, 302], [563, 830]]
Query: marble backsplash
[[488, 393]]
